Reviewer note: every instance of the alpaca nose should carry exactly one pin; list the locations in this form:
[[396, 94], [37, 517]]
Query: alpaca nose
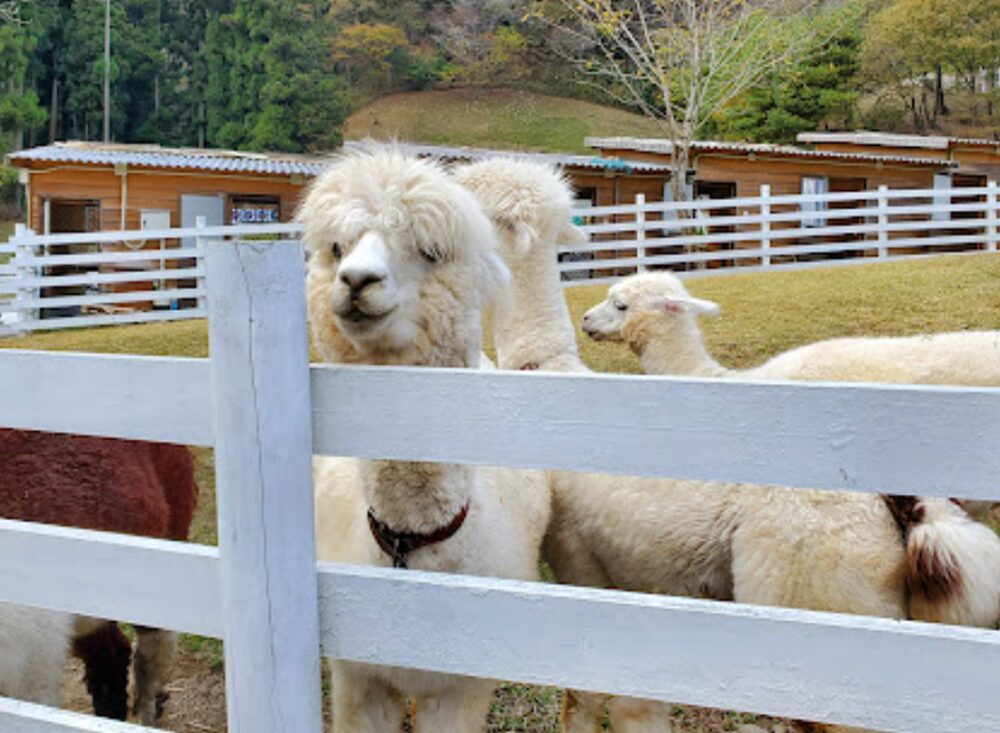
[[358, 280]]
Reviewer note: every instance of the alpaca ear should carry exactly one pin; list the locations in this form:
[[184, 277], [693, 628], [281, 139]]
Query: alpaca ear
[[572, 236], [688, 304], [524, 237]]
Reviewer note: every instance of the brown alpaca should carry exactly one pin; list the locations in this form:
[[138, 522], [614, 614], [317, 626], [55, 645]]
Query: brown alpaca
[[131, 487]]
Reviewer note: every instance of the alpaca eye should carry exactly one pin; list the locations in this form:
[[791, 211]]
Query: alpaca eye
[[621, 306], [429, 256], [336, 251]]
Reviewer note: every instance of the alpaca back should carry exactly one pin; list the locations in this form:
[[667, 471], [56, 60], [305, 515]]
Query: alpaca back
[[174, 468], [965, 358], [97, 483], [821, 550]]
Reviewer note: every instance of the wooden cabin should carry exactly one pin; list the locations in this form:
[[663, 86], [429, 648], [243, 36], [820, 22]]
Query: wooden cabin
[[975, 160]]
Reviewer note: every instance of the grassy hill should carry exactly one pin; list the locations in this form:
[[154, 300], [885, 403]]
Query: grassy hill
[[499, 118]]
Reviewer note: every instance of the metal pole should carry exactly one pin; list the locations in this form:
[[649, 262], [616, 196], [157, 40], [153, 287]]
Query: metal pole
[[107, 71]]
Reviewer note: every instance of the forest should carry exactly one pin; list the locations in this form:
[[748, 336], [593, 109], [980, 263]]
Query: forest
[[285, 74]]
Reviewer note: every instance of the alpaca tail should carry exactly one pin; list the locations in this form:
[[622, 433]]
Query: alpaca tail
[[952, 563]]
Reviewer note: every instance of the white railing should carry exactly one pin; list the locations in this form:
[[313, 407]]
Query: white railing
[[769, 232], [694, 238], [266, 412]]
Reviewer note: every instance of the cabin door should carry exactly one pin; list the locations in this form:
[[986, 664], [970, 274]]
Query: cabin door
[[213, 208]]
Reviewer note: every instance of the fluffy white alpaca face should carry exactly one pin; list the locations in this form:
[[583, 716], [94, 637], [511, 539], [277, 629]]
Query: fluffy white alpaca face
[[659, 293], [604, 321], [375, 294], [395, 246]]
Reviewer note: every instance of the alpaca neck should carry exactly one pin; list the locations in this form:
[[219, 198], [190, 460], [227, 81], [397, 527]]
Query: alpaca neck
[[672, 346], [534, 326], [419, 497]]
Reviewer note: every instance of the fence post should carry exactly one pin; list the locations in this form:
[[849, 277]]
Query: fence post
[[991, 216], [24, 249], [765, 223], [883, 222], [199, 244], [263, 452], [640, 232]]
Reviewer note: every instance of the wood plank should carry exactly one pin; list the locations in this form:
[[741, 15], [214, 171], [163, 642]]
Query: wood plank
[[131, 296], [172, 585], [115, 319], [145, 398], [108, 258], [101, 278], [23, 717], [888, 675], [927, 440], [263, 465]]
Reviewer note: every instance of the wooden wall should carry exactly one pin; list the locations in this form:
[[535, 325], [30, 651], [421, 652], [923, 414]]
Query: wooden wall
[[148, 190]]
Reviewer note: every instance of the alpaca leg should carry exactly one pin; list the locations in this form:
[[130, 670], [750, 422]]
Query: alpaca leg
[[460, 709], [106, 653], [363, 703], [154, 660], [584, 712], [632, 715]]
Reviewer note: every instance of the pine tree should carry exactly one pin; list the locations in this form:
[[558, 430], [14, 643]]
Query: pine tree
[[270, 83]]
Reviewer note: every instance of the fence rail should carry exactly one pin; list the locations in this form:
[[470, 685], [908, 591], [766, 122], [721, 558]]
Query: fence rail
[[47, 284]]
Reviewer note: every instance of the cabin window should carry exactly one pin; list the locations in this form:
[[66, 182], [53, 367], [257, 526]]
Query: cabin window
[[942, 196], [255, 210], [812, 215], [586, 198]]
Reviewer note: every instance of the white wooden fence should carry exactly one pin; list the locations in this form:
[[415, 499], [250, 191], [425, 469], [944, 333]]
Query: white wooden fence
[[695, 238], [266, 411], [766, 232]]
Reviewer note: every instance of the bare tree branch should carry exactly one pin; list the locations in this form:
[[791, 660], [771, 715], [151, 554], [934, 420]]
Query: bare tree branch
[[681, 61]]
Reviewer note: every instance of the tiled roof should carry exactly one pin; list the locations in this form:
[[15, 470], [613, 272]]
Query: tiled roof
[[589, 162], [660, 145], [284, 164], [153, 156], [885, 139]]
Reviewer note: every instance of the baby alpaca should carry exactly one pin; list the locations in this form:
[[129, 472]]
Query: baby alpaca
[[953, 562], [656, 316], [402, 263]]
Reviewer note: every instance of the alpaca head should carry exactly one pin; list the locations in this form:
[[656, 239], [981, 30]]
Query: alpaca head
[[530, 204], [402, 261], [653, 300]]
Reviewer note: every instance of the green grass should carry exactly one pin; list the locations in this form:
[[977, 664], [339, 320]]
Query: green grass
[[498, 118], [6, 230]]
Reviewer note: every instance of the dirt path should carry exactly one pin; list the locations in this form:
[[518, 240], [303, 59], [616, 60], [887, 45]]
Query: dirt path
[[197, 704]]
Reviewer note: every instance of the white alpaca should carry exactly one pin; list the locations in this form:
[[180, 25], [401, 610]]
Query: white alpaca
[[402, 263], [34, 644], [830, 551], [657, 317]]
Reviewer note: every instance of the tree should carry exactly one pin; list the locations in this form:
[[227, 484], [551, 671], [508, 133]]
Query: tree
[[682, 61], [270, 83], [370, 51], [19, 108], [909, 44], [818, 89], [9, 11]]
